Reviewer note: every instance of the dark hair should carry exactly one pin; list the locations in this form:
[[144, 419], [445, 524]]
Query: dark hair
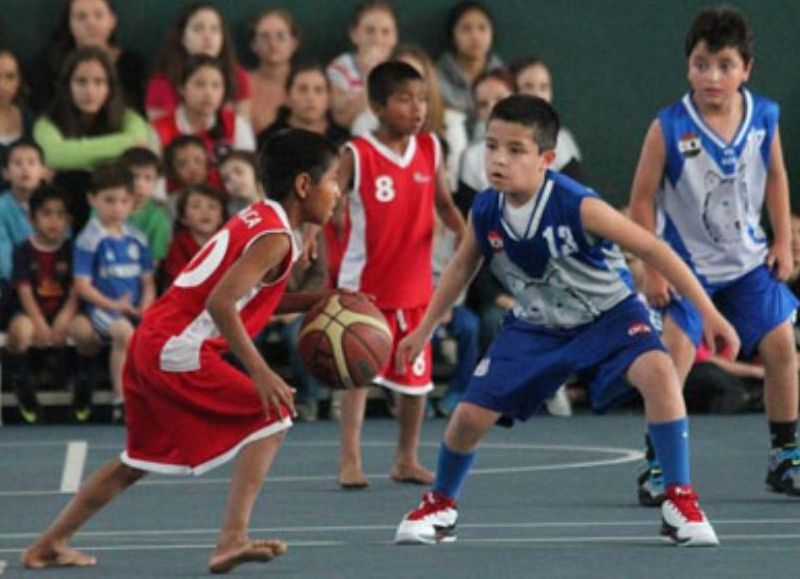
[[368, 6], [303, 67], [138, 157], [22, 143], [720, 28], [67, 117], [531, 112], [44, 193], [173, 56], [387, 78], [192, 65], [111, 176], [289, 153], [458, 11], [524, 63], [200, 189], [63, 42], [498, 74], [178, 143], [22, 91], [248, 157]]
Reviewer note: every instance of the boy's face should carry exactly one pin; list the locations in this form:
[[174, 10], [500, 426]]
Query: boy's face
[[514, 163], [321, 197], [202, 214], [406, 108], [239, 179], [113, 205], [24, 170], [191, 165], [50, 221], [716, 76], [308, 96], [144, 183]]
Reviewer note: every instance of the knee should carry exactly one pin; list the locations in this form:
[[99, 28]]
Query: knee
[[83, 334], [778, 347], [120, 333], [20, 334], [654, 373]]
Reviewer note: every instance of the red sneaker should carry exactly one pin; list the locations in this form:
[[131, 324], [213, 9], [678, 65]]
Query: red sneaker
[[433, 521], [683, 521]]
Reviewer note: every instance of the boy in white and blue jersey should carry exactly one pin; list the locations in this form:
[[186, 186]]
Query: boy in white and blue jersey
[[709, 164], [113, 272], [549, 240]]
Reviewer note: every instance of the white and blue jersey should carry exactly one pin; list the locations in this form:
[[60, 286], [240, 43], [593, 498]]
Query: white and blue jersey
[[560, 275], [712, 191]]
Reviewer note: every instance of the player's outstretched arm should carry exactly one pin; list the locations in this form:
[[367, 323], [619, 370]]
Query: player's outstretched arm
[[264, 255], [457, 275], [779, 259], [604, 221], [643, 204]]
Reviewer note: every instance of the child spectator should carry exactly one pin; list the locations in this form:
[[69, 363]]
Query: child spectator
[[148, 216], [532, 76], [46, 302], [200, 214], [373, 32], [90, 23], [239, 172], [470, 32], [86, 124], [203, 113], [307, 106], [398, 180], [274, 39], [198, 29], [113, 273], [16, 120], [186, 162], [709, 164]]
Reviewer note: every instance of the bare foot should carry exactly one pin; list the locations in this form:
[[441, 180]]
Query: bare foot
[[41, 556], [225, 559], [352, 477], [414, 474]]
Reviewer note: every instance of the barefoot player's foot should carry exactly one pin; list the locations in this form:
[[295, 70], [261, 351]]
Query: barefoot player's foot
[[40, 556], [228, 557], [411, 474]]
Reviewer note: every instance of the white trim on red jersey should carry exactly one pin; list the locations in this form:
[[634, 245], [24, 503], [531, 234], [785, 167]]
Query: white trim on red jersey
[[403, 388], [401, 161], [355, 254]]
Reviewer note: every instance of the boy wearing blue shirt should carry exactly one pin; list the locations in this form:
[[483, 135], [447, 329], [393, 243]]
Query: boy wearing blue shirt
[[547, 238], [113, 272], [709, 164]]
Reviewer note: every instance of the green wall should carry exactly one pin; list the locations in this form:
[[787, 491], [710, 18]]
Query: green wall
[[615, 63]]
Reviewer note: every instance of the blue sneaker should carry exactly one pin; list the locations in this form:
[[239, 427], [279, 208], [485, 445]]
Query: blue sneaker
[[783, 471], [650, 483]]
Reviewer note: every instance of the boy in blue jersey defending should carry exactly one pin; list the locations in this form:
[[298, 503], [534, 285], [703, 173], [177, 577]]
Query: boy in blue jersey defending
[[709, 164], [547, 239]]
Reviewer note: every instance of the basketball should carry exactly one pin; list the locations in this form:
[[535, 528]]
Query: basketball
[[345, 341]]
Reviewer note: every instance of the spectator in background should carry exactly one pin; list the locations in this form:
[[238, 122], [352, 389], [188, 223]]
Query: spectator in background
[[274, 39], [148, 216], [186, 162], [89, 23], [87, 124], [203, 113], [307, 106], [373, 33], [198, 30], [239, 172], [16, 120], [470, 33], [532, 76], [200, 214], [47, 305]]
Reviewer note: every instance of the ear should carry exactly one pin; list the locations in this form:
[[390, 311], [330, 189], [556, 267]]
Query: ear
[[748, 70], [302, 185], [549, 156]]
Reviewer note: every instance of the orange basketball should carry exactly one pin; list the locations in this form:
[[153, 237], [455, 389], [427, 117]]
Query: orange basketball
[[345, 341]]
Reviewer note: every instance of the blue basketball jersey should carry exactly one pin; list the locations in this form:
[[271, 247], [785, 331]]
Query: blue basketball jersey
[[559, 275], [712, 191]]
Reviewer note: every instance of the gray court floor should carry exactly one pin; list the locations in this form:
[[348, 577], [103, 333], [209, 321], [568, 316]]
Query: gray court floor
[[551, 498]]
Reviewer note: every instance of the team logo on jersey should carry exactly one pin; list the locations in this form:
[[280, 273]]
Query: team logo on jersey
[[421, 178], [689, 145], [495, 241], [482, 369], [637, 328], [133, 251]]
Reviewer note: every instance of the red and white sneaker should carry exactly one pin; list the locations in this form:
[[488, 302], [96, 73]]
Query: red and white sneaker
[[683, 521], [433, 521]]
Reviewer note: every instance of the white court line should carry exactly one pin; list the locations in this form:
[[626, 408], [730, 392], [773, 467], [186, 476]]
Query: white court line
[[74, 461]]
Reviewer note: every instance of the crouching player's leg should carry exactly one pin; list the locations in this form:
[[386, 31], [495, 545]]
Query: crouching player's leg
[[653, 374]]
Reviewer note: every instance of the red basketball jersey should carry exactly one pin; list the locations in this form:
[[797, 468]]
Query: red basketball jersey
[[391, 209], [178, 323]]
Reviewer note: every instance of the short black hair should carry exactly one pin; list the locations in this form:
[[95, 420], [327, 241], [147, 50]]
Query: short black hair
[[44, 193], [23, 143], [178, 143], [248, 157], [289, 153], [720, 28], [531, 112], [200, 189], [388, 77], [111, 176], [139, 157], [458, 11]]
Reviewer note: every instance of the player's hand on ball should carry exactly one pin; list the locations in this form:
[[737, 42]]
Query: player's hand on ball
[[274, 392], [720, 337], [408, 349]]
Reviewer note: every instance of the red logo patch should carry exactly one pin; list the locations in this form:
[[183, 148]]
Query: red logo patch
[[495, 241], [637, 328]]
